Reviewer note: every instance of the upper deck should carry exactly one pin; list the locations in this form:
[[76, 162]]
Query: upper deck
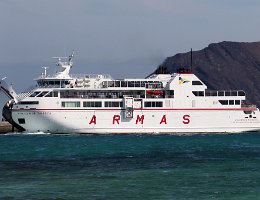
[[175, 90]]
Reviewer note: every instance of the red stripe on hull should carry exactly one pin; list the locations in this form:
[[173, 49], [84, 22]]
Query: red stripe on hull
[[57, 109]]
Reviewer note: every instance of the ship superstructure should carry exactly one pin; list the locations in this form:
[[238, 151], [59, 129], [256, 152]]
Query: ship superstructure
[[161, 103]]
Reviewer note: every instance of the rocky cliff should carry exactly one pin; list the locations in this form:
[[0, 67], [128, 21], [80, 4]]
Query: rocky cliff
[[224, 65]]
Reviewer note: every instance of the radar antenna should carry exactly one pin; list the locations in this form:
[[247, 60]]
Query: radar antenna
[[65, 64]]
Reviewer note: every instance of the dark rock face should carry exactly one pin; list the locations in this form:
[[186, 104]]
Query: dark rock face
[[223, 66]]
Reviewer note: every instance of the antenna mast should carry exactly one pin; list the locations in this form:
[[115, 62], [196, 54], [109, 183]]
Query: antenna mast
[[191, 60], [45, 71]]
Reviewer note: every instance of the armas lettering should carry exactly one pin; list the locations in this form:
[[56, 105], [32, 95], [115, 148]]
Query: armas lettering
[[140, 119]]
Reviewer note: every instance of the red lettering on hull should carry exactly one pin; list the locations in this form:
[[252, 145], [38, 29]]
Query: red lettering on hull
[[139, 119], [116, 119], [163, 120], [93, 120], [186, 119]]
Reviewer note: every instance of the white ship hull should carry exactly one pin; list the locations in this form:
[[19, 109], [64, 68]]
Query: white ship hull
[[144, 121]]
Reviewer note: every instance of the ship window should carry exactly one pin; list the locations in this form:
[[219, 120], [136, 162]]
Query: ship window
[[196, 83], [114, 104], [198, 93], [241, 93], [231, 102], [21, 120], [153, 104], [34, 94], [49, 94], [123, 84], [28, 102], [221, 93], [92, 104], [201, 93], [117, 83], [169, 93], [227, 93], [66, 104], [137, 83], [234, 93], [55, 94], [211, 93], [147, 104], [42, 94], [214, 93], [237, 102], [131, 83], [52, 94], [223, 102]]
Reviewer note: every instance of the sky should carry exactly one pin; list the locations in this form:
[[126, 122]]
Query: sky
[[124, 38]]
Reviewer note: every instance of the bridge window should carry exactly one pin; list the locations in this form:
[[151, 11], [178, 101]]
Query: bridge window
[[42, 94], [35, 94], [52, 94]]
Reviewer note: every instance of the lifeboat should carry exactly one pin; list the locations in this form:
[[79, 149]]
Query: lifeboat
[[154, 92]]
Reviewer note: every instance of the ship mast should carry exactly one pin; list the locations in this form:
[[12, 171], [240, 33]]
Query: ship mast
[[67, 65]]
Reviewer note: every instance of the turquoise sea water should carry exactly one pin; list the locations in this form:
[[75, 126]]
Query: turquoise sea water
[[213, 166]]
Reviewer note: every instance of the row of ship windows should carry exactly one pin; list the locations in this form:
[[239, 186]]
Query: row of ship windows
[[116, 95], [119, 103], [114, 104], [229, 102], [106, 95], [218, 93]]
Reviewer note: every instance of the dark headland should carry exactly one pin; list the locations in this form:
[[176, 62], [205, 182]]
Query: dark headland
[[223, 66]]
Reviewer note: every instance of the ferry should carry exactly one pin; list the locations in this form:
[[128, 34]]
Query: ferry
[[98, 104]]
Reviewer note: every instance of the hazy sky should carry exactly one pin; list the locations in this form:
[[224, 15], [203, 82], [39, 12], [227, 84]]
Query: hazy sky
[[126, 38]]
